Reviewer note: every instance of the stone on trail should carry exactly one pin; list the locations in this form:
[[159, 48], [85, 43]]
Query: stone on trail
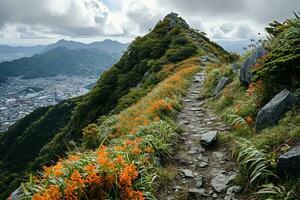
[[199, 181], [209, 138], [187, 173], [221, 84], [196, 193], [289, 163], [221, 181], [273, 111]]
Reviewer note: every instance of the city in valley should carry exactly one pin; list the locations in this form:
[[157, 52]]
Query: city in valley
[[19, 97]]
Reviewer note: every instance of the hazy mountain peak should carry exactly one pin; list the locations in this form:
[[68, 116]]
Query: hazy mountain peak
[[108, 45]]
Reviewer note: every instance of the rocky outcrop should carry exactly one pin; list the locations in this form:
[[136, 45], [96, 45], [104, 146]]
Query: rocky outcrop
[[245, 75], [209, 138], [273, 111], [221, 84], [289, 163]]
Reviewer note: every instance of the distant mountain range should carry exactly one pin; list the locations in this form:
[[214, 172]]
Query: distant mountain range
[[61, 58], [9, 53], [109, 46], [59, 61]]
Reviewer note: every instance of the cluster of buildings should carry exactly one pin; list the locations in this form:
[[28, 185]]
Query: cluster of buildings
[[19, 97]]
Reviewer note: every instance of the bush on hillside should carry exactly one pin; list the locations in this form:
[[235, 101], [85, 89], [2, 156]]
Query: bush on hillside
[[282, 64]]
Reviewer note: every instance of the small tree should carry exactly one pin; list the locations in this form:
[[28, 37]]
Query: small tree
[[91, 137]]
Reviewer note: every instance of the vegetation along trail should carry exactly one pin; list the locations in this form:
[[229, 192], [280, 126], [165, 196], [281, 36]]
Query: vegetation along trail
[[204, 166]]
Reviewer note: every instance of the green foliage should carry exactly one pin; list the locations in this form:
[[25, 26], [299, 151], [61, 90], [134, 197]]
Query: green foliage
[[235, 120], [21, 145], [91, 138], [161, 136], [253, 163], [272, 192], [181, 53], [281, 65]]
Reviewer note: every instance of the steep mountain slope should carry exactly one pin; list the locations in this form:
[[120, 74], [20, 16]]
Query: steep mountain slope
[[109, 46], [59, 61], [147, 62]]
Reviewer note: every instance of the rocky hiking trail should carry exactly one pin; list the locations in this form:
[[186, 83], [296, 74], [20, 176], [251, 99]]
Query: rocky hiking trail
[[204, 167]]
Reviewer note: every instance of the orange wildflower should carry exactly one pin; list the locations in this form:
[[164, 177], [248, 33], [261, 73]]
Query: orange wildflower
[[74, 158], [249, 120], [136, 150], [128, 174], [149, 150], [90, 168], [57, 169], [139, 195], [51, 193]]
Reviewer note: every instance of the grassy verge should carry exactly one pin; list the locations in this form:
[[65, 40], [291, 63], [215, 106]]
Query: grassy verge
[[256, 153]]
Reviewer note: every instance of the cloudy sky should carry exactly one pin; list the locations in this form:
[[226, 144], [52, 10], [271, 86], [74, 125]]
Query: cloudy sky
[[44, 21]]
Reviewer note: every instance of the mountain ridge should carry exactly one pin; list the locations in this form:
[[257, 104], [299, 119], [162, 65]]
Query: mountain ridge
[[59, 61], [110, 46]]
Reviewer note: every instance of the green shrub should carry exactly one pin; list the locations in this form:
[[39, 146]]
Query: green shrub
[[253, 163], [91, 138]]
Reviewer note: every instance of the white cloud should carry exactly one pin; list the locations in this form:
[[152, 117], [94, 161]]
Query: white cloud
[[129, 18]]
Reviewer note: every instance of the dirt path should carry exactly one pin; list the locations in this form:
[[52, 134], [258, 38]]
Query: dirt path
[[202, 172]]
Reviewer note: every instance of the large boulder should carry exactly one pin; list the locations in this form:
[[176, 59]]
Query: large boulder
[[273, 111], [221, 84], [245, 75], [289, 163]]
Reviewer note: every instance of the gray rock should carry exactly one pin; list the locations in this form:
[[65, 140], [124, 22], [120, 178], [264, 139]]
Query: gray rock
[[234, 189], [202, 164], [196, 193], [245, 76], [199, 181], [205, 59], [177, 187], [209, 138], [221, 84], [231, 192], [289, 163], [235, 68], [273, 111], [187, 173], [220, 181]]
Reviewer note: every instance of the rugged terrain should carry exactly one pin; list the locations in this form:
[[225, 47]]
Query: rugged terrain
[[176, 118]]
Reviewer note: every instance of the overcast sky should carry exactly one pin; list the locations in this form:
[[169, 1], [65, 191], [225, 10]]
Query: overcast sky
[[44, 21]]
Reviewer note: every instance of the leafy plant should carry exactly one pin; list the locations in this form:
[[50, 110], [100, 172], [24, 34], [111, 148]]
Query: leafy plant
[[236, 121], [253, 163], [272, 192]]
